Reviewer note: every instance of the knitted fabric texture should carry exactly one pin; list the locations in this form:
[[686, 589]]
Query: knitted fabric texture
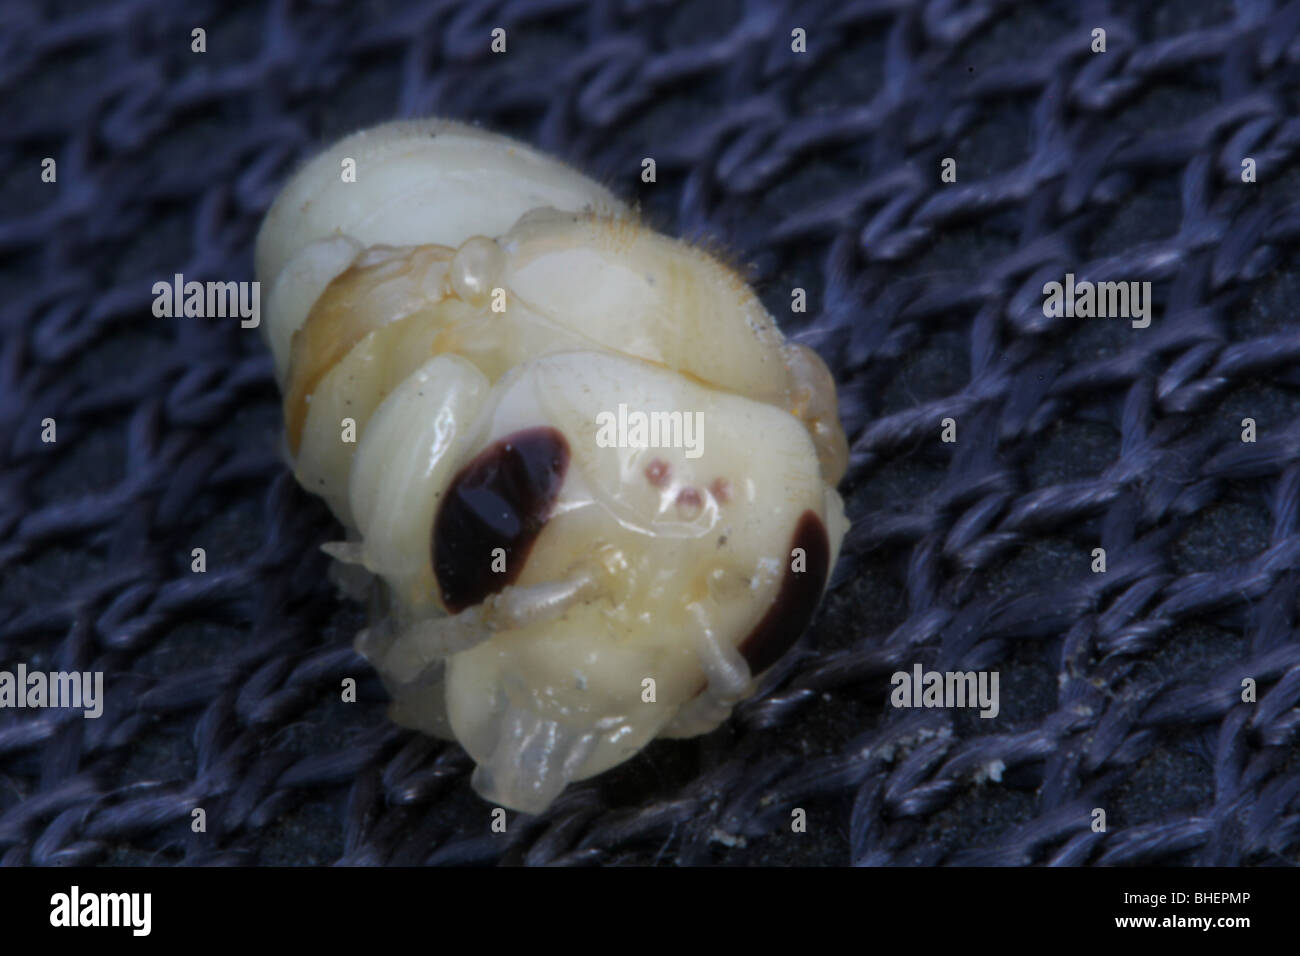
[[1120, 690]]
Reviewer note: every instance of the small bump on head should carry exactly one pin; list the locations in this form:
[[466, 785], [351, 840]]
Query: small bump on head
[[689, 502], [658, 472]]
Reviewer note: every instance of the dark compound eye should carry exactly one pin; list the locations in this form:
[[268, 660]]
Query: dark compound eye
[[795, 602], [501, 499]]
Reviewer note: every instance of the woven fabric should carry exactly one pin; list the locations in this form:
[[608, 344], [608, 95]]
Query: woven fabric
[[1120, 690]]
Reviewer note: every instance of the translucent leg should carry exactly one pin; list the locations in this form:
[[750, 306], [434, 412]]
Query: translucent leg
[[699, 716], [725, 668], [728, 676], [522, 607], [403, 651], [417, 645]]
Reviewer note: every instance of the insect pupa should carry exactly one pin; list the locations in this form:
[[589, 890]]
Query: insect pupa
[[586, 460]]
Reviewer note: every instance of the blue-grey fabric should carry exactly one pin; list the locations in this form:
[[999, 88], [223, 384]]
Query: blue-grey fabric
[[1120, 691]]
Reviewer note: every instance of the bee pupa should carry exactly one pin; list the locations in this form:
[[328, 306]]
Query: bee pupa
[[586, 463]]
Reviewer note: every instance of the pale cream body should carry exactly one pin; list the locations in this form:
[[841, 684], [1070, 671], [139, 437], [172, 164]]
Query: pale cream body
[[545, 681]]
